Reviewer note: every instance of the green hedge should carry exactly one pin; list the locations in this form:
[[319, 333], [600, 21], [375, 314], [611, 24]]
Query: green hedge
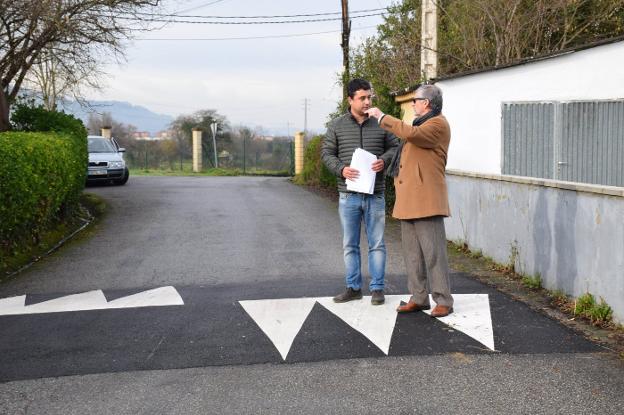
[[316, 174], [42, 174], [314, 171], [36, 118], [39, 175]]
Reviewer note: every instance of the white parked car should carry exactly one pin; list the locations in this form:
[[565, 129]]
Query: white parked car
[[106, 163]]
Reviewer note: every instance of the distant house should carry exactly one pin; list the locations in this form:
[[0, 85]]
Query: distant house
[[141, 135], [536, 166], [163, 135]]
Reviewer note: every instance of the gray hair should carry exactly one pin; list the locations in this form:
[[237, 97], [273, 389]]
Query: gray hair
[[433, 94]]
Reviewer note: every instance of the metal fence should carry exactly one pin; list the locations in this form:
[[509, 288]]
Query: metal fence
[[247, 157], [573, 141]]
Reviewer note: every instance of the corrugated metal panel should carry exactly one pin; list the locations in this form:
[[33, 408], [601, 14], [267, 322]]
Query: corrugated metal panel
[[573, 141], [592, 143], [528, 139]]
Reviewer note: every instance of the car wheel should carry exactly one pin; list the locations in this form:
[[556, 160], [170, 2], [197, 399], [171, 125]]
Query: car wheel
[[125, 178]]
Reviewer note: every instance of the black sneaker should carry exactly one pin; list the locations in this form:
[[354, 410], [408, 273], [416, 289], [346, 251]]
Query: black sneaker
[[349, 295], [377, 297]]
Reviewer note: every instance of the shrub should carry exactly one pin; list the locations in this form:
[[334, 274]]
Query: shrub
[[584, 303], [598, 313], [37, 118], [601, 313], [314, 171], [533, 282], [42, 173]]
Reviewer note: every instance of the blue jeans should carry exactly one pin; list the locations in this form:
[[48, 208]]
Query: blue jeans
[[352, 208]]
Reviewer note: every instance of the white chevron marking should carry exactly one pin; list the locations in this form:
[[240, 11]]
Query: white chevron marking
[[471, 315], [376, 323], [157, 297], [11, 304], [280, 319], [91, 300]]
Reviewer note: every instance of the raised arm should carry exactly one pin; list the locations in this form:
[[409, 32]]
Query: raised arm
[[431, 134]]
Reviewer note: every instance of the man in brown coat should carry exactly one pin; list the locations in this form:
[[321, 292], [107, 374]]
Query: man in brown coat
[[422, 199]]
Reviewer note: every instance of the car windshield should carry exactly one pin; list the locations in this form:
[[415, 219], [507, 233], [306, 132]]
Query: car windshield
[[100, 145]]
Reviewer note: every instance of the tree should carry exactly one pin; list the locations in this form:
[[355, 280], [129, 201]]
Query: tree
[[485, 33], [475, 34], [182, 129], [57, 75], [72, 30], [391, 60]]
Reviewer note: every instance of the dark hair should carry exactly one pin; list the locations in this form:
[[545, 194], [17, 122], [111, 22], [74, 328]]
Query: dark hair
[[357, 84], [434, 94]]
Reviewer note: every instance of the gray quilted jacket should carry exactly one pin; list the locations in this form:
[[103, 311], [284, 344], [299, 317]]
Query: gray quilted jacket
[[344, 135]]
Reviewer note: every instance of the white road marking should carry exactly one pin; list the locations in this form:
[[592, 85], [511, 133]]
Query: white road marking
[[157, 297], [11, 304], [91, 300], [471, 315], [376, 323], [280, 319]]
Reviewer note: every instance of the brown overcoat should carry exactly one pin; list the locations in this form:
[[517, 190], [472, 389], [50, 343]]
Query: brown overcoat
[[421, 184]]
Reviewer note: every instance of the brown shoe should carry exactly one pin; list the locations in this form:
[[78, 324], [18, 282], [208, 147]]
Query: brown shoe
[[411, 307], [441, 311]]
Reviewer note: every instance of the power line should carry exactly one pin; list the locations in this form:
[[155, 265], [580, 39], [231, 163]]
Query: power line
[[200, 7], [243, 23], [257, 17], [255, 37]]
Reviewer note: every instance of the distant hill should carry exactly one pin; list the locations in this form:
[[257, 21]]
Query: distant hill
[[142, 118]]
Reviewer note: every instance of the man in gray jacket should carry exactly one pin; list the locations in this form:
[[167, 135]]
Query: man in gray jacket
[[344, 134]]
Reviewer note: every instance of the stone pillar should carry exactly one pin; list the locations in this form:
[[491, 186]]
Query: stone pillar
[[429, 38], [106, 132], [299, 147], [197, 150]]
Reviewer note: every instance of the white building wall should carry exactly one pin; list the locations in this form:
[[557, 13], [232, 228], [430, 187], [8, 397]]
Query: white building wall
[[571, 235], [472, 103]]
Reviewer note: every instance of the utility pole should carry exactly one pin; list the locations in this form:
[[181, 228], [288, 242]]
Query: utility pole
[[306, 102], [346, 32], [429, 39], [244, 152]]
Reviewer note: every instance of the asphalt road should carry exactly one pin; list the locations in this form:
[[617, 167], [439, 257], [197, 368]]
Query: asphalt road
[[222, 241]]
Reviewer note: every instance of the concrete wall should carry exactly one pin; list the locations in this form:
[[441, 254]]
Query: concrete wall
[[472, 103], [570, 234]]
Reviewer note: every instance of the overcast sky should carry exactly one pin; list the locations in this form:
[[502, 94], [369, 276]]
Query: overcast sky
[[256, 82]]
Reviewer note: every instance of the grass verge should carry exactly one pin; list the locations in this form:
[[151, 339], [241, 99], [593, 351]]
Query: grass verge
[[208, 172], [584, 314], [91, 209]]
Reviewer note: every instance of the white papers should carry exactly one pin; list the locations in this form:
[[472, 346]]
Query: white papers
[[362, 160]]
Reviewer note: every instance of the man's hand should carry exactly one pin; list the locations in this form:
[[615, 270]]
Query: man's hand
[[374, 112], [378, 165], [350, 174]]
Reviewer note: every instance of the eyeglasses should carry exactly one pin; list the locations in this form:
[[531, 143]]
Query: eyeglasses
[[418, 99]]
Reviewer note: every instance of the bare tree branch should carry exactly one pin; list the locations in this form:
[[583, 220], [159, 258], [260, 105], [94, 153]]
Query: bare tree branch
[[71, 31]]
